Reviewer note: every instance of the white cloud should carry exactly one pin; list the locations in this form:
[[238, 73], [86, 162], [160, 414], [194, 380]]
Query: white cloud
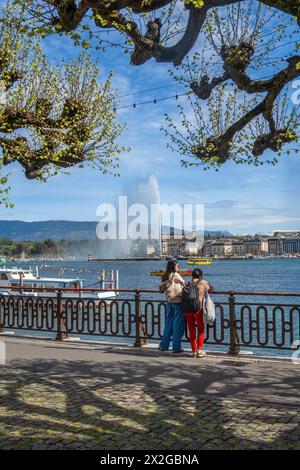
[[239, 215]]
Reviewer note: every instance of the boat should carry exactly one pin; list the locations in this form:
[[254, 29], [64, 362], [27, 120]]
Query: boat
[[182, 272], [14, 281], [200, 261]]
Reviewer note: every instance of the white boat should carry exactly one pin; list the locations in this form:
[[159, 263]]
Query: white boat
[[12, 278]]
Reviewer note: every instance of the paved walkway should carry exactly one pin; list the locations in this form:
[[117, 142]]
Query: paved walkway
[[104, 397]]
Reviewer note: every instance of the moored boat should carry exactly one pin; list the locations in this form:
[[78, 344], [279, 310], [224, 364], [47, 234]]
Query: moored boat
[[24, 282]]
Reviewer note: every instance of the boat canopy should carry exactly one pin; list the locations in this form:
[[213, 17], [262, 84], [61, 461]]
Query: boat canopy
[[26, 276], [52, 280]]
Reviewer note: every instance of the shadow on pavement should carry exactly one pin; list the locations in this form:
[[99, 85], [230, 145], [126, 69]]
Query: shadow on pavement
[[129, 402]]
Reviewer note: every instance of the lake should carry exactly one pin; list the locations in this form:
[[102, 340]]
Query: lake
[[258, 275]]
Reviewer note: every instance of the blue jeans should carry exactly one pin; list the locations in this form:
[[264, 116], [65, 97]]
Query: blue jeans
[[174, 327]]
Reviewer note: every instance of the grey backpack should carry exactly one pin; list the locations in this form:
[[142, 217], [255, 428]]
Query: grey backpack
[[209, 310]]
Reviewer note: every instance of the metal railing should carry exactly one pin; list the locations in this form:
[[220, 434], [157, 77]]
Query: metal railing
[[265, 320]]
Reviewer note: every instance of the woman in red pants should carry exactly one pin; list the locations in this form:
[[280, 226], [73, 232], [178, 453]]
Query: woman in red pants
[[196, 319]]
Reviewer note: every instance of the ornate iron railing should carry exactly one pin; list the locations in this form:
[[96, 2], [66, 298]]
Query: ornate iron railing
[[242, 319]]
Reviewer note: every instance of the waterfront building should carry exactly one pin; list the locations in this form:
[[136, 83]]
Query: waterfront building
[[172, 244], [256, 246], [252, 246], [284, 245], [175, 244], [273, 245], [238, 248], [218, 248], [290, 245], [232, 247], [150, 250], [191, 248], [264, 246]]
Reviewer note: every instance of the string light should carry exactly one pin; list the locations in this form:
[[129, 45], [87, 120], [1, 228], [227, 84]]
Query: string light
[[154, 101]]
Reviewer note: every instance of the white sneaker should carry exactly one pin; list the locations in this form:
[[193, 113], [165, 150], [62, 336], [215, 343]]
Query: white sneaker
[[201, 353]]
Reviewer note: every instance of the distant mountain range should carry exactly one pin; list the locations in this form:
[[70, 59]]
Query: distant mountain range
[[63, 229]]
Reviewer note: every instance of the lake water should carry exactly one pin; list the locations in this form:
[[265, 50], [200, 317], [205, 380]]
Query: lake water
[[258, 275]]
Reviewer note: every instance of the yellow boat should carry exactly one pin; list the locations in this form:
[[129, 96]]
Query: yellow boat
[[200, 261]]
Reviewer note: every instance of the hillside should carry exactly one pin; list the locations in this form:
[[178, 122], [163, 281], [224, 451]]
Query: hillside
[[61, 229]]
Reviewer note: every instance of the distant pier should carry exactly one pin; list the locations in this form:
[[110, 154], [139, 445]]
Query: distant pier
[[156, 258]]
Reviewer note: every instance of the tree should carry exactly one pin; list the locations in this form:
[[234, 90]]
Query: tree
[[52, 117], [68, 15], [245, 121], [242, 117]]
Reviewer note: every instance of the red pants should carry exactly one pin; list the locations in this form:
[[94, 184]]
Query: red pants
[[192, 320]]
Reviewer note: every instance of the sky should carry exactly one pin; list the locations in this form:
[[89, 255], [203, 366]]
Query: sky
[[239, 198]]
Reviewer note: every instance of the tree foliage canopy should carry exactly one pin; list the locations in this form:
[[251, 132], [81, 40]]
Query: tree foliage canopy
[[237, 112], [52, 117], [242, 116], [148, 24]]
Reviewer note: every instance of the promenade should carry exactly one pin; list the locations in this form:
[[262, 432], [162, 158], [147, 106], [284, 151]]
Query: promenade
[[79, 396]]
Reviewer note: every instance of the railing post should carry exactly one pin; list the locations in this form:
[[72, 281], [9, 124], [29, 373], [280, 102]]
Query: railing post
[[59, 310], [2, 313], [139, 339], [234, 346]]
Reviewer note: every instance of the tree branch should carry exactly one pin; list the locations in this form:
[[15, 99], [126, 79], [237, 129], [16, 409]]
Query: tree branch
[[219, 147]]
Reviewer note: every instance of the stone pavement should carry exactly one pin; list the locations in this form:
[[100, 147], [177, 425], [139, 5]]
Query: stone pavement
[[113, 397]]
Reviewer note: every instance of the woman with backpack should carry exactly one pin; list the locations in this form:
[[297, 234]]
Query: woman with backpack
[[172, 285], [195, 318]]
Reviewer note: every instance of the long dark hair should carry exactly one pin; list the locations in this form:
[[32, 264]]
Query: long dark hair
[[171, 268], [197, 274]]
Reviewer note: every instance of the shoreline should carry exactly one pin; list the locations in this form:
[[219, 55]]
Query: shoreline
[[99, 260]]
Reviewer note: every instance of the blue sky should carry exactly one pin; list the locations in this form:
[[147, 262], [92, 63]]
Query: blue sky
[[241, 199]]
